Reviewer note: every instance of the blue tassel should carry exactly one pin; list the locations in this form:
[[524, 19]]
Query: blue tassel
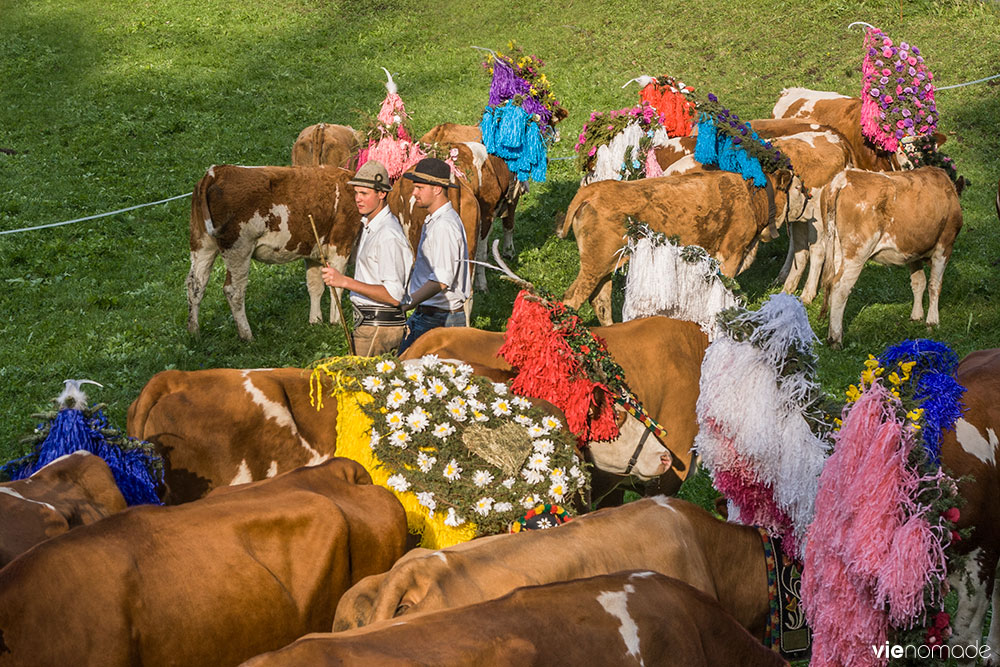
[[727, 157], [511, 130], [488, 127], [705, 150], [937, 390]]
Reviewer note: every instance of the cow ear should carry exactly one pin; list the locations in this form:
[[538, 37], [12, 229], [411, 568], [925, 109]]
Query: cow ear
[[782, 180], [939, 139]]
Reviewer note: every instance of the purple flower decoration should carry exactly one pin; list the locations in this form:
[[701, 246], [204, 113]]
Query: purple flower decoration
[[899, 134], [908, 122], [911, 71], [874, 92], [712, 98], [884, 80], [916, 51]]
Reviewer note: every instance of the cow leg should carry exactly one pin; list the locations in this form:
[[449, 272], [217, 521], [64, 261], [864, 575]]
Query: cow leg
[[508, 232], [480, 282], [339, 263], [235, 289], [202, 260], [938, 263], [601, 302], [917, 283], [817, 252], [315, 287], [967, 623], [798, 253], [842, 286]]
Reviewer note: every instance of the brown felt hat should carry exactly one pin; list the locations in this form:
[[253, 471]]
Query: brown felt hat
[[372, 175], [431, 171]]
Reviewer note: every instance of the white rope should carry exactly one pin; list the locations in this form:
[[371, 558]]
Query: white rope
[[93, 217], [968, 83]]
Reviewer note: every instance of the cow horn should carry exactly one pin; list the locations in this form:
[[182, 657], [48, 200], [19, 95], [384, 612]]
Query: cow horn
[[868, 25], [484, 49], [506, 269], [390, 85], [643, 80], [72, 396]]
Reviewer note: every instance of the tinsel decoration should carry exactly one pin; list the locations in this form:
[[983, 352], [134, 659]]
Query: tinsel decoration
[[756, 436], [618, 145], [75, 426], [897, 93], [389, 142], [671, 98], [680, 282]]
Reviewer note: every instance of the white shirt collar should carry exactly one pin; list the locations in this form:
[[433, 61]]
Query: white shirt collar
[[379, 218]]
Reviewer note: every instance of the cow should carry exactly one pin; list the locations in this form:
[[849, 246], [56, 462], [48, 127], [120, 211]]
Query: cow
[[326, 144], [662, 363], [670, 536], [717, 210], [74, 490], [909, 217], [636, 617], [262, 213], [211, 583]]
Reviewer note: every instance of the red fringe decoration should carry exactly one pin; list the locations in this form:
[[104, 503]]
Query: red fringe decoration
[[549, 369], [676, 110]]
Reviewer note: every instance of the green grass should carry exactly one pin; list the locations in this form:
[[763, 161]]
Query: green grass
[[119, 103]]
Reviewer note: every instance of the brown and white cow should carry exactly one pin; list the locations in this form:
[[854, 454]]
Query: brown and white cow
[[74, 490], [903, 218], [661, 358], [262, 213], [210, 583], [638, 617], [717, 210], [670, 536], [326, 144]]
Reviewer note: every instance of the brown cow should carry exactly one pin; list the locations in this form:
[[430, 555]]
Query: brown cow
[[326, 144], [210, 583], [909, 217], [674, 537], [662, 363], [262, 213], [617, 619], [716, 210], [74, 490]]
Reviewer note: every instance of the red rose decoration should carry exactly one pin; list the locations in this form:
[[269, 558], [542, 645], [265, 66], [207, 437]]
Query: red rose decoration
[[955, 537], [952, 514], [942, 620], [585, 349]]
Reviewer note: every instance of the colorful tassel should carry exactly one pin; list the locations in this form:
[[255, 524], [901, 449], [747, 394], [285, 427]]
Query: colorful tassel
[[705, 149]]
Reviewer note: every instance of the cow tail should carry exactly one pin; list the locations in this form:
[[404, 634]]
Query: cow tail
[[562, 231], [201, 217]]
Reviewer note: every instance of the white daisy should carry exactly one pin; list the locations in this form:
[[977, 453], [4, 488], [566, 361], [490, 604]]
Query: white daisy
[[558, 476], [456, 412], [532, 476], [557, 492], [484, 505], [426, 498], [472, 390], [480, 416], [524, 420], [465, 369], [397, 483], [536, 431], [521, 402], [544, 446], [424, 462], [530, 501], [482, 478], [375, 437], [501, 407], [509, 482], [500, 388], [449, 369], [418, 419], [415, 375], [396, 382], [429, 360], [373, 384], [453, 519], [399, 438], [452, 471], [437, 387], [543, 524], [576, 473], [397, 397], [443, 430], [476, 404], [502, 507], [538, 461], [551, 423], [394, 420], [422, 395], [385, 366]]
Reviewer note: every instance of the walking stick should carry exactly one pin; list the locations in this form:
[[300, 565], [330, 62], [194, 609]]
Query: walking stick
[[333, 292]]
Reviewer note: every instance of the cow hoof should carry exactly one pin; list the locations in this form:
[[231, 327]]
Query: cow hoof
[[834, 344]]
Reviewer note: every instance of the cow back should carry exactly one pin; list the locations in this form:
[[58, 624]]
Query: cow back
[[452, 133], [325, 144]]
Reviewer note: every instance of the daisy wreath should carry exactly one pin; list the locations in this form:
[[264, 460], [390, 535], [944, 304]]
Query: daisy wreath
[[463, 456]]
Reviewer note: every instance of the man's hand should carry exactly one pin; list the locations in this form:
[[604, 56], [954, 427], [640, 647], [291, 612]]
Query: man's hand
[[333, 277]]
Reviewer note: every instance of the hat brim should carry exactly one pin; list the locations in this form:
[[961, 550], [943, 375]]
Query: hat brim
[[377, 187], [429, 180]]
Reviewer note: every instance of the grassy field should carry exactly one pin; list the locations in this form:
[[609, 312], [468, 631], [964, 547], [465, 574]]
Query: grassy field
[[107, 105]]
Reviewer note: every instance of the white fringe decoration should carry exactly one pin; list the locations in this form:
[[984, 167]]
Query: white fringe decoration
[[751, 425], [661, 282], [609, 158]]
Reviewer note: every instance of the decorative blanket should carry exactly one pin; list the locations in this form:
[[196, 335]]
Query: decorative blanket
[[786, 630]]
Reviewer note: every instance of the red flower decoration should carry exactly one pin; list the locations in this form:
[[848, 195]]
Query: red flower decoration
[[955, 537], [952, 514], [942, 620], [585, 349]]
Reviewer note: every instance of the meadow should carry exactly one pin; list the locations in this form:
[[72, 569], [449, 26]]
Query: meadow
[[108, 105]]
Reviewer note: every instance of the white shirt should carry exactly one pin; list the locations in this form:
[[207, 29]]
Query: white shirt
[[442, 256], [383, 257]]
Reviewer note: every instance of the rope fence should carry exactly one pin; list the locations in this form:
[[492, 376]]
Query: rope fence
[[93, 217]]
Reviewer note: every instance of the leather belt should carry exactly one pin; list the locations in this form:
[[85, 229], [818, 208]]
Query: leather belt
[[434, 310], [378, 316]]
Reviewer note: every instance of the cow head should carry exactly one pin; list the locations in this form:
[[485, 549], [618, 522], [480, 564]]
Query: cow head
[[636, 451]]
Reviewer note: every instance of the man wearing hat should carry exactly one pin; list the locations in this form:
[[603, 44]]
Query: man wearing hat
[[439, 284], [381, 266]]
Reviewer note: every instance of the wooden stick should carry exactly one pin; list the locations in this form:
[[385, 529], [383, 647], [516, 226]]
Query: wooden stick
[[333, 292]]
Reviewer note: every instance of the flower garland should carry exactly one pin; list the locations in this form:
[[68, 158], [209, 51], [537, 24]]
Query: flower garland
[[518, 120], [628, 162], [897, 92], [923, 152], [74, 426], [389, 139], [673, 100], [882, 542], [464, 457], [541, 517], [726, 141]]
